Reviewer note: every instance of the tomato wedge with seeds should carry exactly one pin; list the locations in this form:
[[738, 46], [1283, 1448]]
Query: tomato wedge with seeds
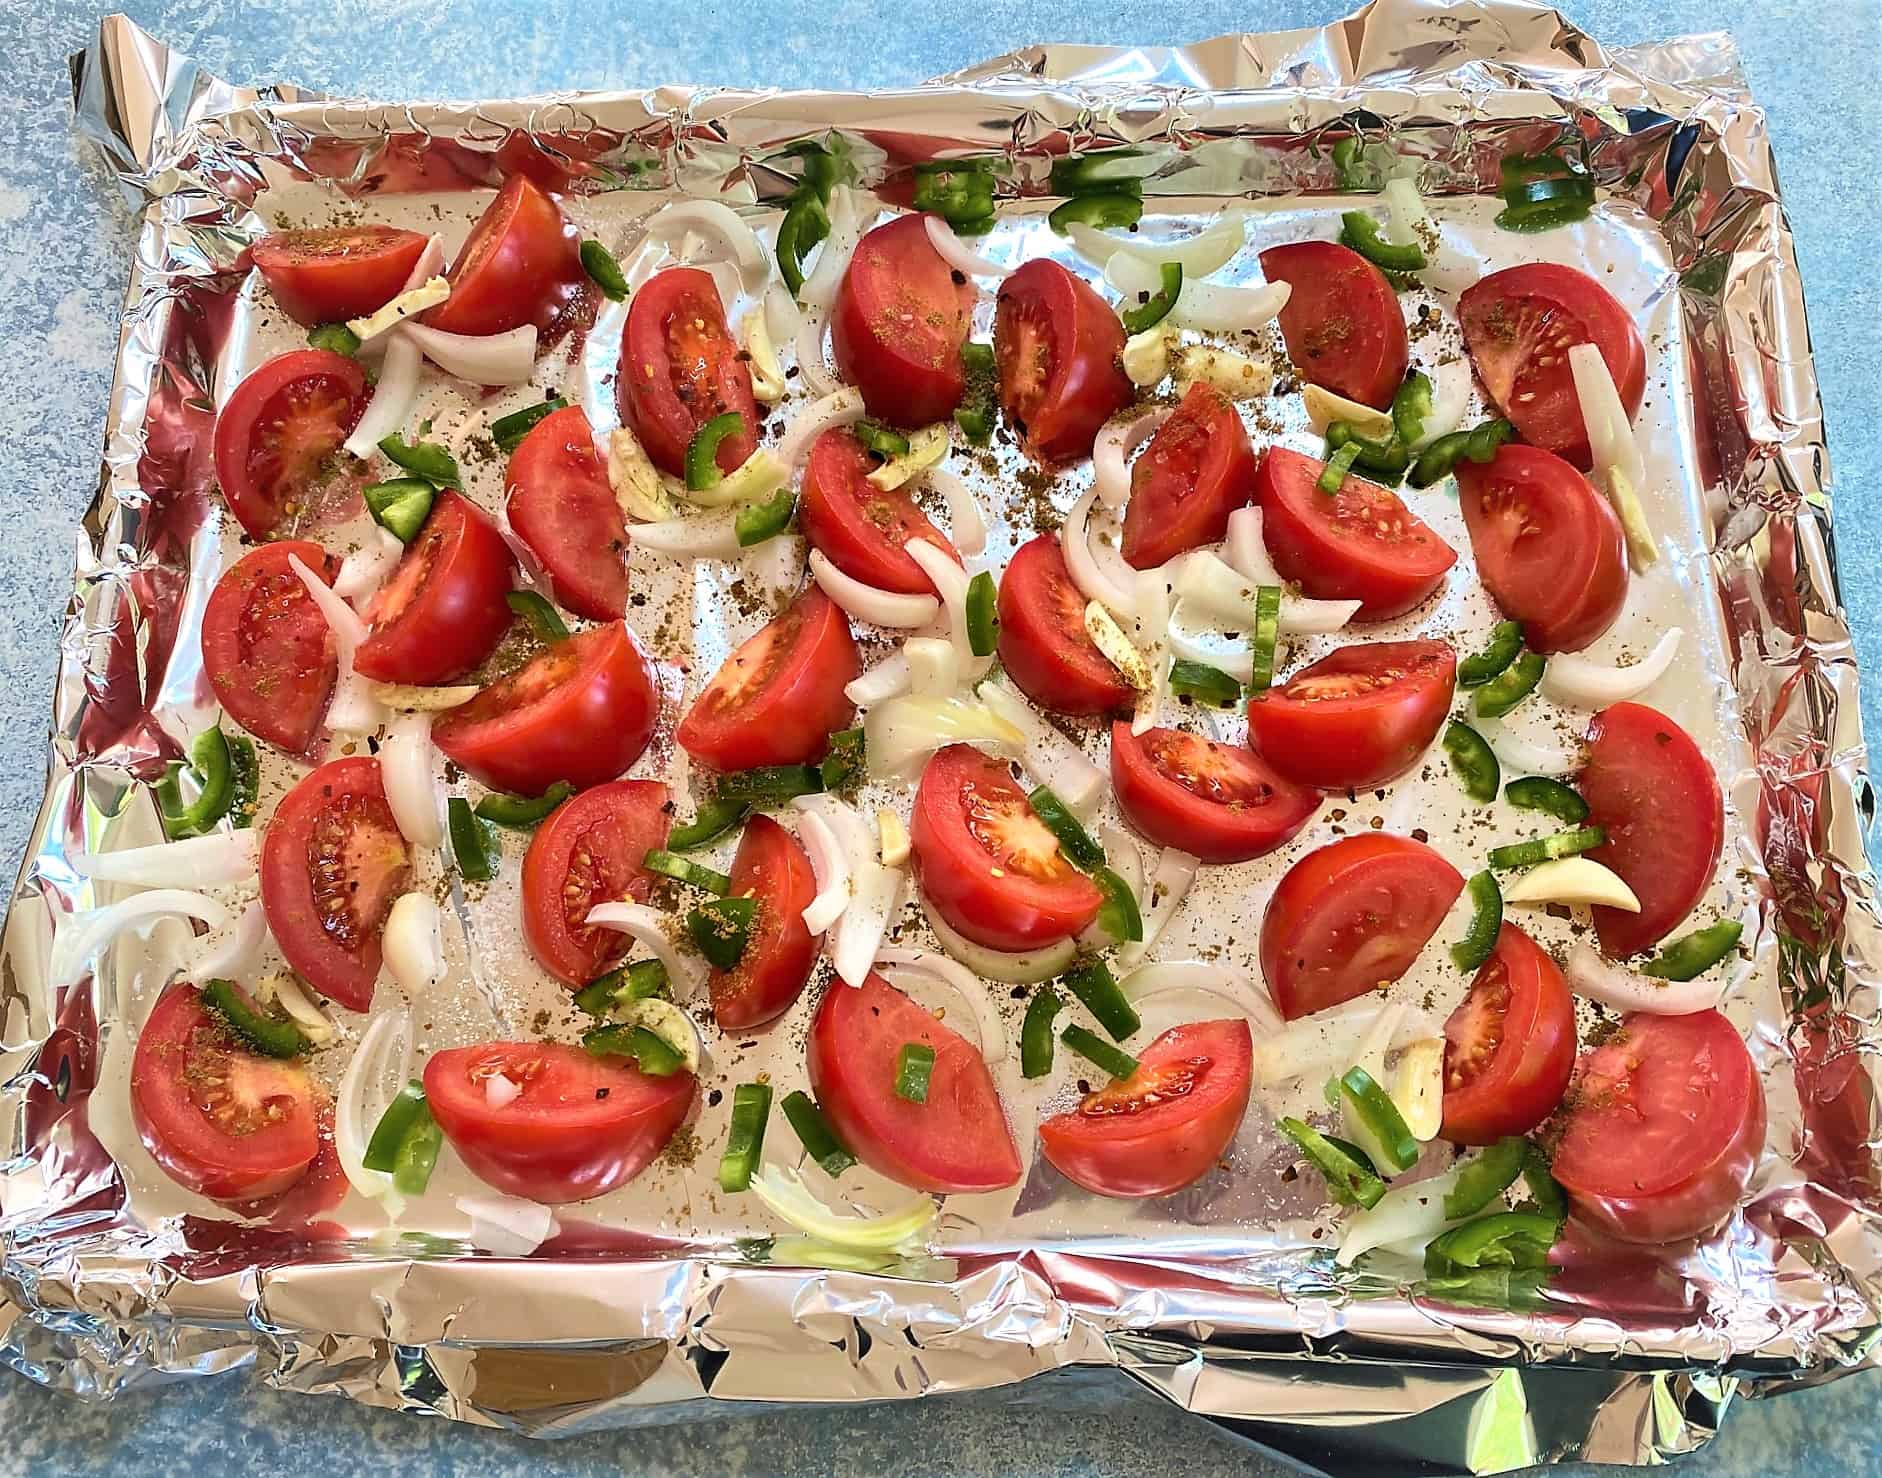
[[773, 868], [1519, 325], [590, 851], [443, 610], [1043, 643], [520, 264], [987, 864], [1342, 323], [1663, 1128], [1654, 793], [332, 863], [860, 528], [957, 1141], [1351, 917], [322, 1186], [221, 1120], [1056, 345], [1167, 1124], [336, 273], [1362, 543], [279, 440], [901, 317], [561, 504], [1509, 1047], [1549, 548], [680, 368], [267, 650], [1197, 470], [1219, 802], [581, 711], [581, 1126], [1359, 716]]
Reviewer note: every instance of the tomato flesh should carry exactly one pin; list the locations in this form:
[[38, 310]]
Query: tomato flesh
[[1056, 345], [861, 529], [1358, 717], [1219, 802], [680, 368], [589, 851], [779, 950], [1197, 470], [279, 440], [1509, 1045], [444, 609], [901, 317], [561, 504], [520, 264], [341, 272], [1342, 323], [1043, 643], [267, 650]]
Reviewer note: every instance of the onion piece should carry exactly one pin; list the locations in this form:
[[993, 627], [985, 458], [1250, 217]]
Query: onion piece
[[638, 486], [951, 581], [1224, 596], [783, 317], [211, 861], [1237, 661], [830, 865], [1237, 987], [1619, 469], [752, 481], [1153, 636], [849, 219], [1207, 251], [1167, 889], [843, 407], [391, 399], [888, 608], [414, 942], [410, 698], [787, 1197], [408, 764], [1418, 1087], [354, 1118], [1324, 408], [231, 952], [934, 669], [1577, 682], [967, 525], [874, 889], [889, 678], [812, 367], [80, 936], [398, 308], [928, 447], [500, 1092], [1246, 552], [723, 225], [1050, 754], [1571, 880], [713, 535], [1005, 966], [1207, 306], [1527, 756], [900, 734], [507, 358], [364, 570], [1450, 399], [648, 927], [1110, 453], [351, 709], [1328, 1039], [506, 1226], [767, 371], [957, 254], [345, 623], [1092, 582], [1598, 979], [1405, 1211], [1120, 850], [965, 984]]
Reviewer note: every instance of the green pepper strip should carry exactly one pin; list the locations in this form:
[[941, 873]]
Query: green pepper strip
[[398, 1121], [1410, 406], [745, 1139], [1506, 1239], [471, 845], [1118, 915], [1369, 1107], [335, 338], [508, 431], [702, 452], [213, 763], [980, 399], [1539, 793], [1360, 231], [818, 1138], [1113, 208], [770, 784], [844, 762], [1506, 641], [542, 616], [756, 522], [1078, 845], [269, 1035], [652, 1053], [1153, 308], [1205, 684], [1473, 760], [1035, 1033], [1351, 1182], [1098, 992], [621, 985], [1540, 205], [1479, 443], [1485, 438], [1547, 849], [713, 820], [247, 781], [1080, 174], [805, 223], [1518, 1290], [418, 1154], [426, 459], [1545, 1191], [522, 812], [1510, 686], [1100, 1053], [1264, 639], [983, 624], [914, 1065], [401, 506], [1484, 1177], [1333, 475], [1691, 955], [1486, 922], [959, 191], [882, 441], [599, 263], [1386, 458], [685, 870], [722, 928], [1351, 172]]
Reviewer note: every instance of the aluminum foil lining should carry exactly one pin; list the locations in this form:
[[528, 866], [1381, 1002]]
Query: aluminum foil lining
[[1222, 1304]]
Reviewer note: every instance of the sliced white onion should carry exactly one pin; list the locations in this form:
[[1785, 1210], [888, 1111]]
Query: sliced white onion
[[1169, 885], [1006, 966], [1153, 639], [1093, 582], [1404, 1212], [957, 254], [81, 936], [391, 399], [1207, 306], [889, 608], [345, 623], [1110, 455], [1528, 756], [354, 1117], [528, 566], [1050, 755], [1216, 590], [767, 370], [1619, 469], [364, 570], [1572, 880], [1205, 252], [648, 927], [414, 942], [1327, 1039], [812, 368], [1599, 979], [787, 1197], [783, 317], [231, 952], [874, 889], [966, 523], [505, 1226], [964, 984], [508, 358], [211, 861], [1580, 683], [314, 1023], [842, 407], [710, 535], [1410, 220], [951, 581], [752, 481], [1245, 551], [408, 764], [352, 709], [849, 219], [1450, 399], [1418, 1087], [934, 669], [1237, 661], [830, 864], [1237, 987], [889, 678], [899, 734], [721, 224], [1121, 851]]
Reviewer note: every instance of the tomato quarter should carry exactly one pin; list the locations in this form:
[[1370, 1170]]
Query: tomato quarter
[[1358, 717], [589, 851], [1197, 470], [561, 504], [1043, 643], [341, 272], [266, 648], [279, 440], [860, 528], [1342, 322], [1509, 1045], [443, 609], [779, 950], [901, 317], [1217, 801], [1056, 345], [680, 368], [520, 264]]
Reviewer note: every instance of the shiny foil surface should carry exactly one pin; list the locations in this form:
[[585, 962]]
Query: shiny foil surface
[[648, 1305]]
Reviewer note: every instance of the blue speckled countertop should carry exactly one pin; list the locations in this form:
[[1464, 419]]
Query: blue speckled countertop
[[64, 247]]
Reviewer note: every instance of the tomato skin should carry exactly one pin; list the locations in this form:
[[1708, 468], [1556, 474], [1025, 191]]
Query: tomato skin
[[771, 867], [179, 1040], [582, 711], [562, 506], [1164, 1145], [1358, 717], [899, 323], [1534, 1053], [442, 610], [798, 666], [1663, 1128], [1342, 323], [995, 898], [520, 264], [1549, 548], [1651, 788], [328, 276], [958, 1141], [1043, 644], [337, 818], [666, 389], [858, 527], [1334, 548], [1352, 916], [267, 650], [283, 425], [1056, 345], [321, 1187], [1519, 325], [1266, 811], [1197, 470], [581, 1127], [589, 851]]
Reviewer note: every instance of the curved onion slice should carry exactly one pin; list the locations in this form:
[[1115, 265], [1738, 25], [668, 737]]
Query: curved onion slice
[[1237, 987], [1009, 968], [81, 935], [849, 219], [1167, 889], [1153, 638], [391, 399], [648, 927], [812, 367], [352, 709], [1527, 756], [966, 523], [210, 861], [313, 1022], [1402, 1213], [951, 580], [1579, 683], [1246, 552], [723, 225], [1208, 306], [841, 407], [956, 253], [830, 863], [414, 943], [1599, 979], [783, 317], [1450, 399], [408, 762], [1120, 850], [1207, 251], [1418, 1087], [1093, 582], [508, 358], [1050, 754], [1237, 661], [1219, 593], [1111, 452], [349, 630], [1619, 469], [889, 678], [888, 608], [231, 952], [900, 734], [354, 1118], [712, 535], [964, 983], [787, 1197], [364, 570], [1329, 1038], [507, 1226], [874, 889]]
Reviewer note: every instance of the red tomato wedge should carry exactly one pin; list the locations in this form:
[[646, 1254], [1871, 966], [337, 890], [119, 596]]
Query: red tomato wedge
[[279, 439], [580, 1127], [589, 851], [779, 950], [1167, 1124], [779, 697], [1361, 543], [1043, 643], [1342, 322], [860, 528], [1351, 917], [680, 367], [1549, 549], [1217, 801], [1197, 470], [322, 1186], [341, 272], [443, 609], [562, 506], [1653, 792], [1358, 717], [267, 650], [1509, 1047], [582, 711], [987, 864], [332, 863], [220, 1120], [1663, 1128], [901, 317], [1056, 345], [957, 1141], [520, 264], [1519, 325]]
